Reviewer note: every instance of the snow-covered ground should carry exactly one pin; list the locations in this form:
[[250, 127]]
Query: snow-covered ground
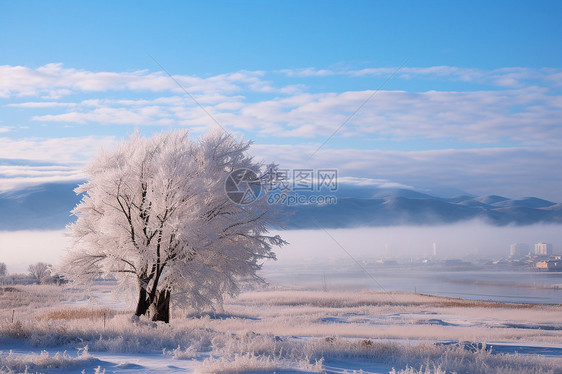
[[56, 330]]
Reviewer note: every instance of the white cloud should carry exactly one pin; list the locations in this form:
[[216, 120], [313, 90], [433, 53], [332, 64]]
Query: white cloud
[[8, 184], [514, 172], [41, 104], [33, 171], [504, 77], [162, 111], [529, 116], [32, 161], [56, 150], [55, 81], [381, 183], [308, 72], [105, 115], [524, 108]]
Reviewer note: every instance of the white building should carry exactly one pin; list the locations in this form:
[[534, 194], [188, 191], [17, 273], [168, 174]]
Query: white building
[[543, 249], [519, 250]]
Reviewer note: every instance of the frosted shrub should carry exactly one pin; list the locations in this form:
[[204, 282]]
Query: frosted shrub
[[459, 360], [14, 330], [179, 354], [249, 362], [44, 360], [410, 370], [239, 363], [430, 358], [98, 370], [120, 335]]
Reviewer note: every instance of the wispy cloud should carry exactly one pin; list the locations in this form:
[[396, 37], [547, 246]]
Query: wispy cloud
[[6, 128], [380, 183], [20, 173], [529, 116], [521, 113], [32, 161], [526, 115], [515, 172], [504, 77], [480, 171], [55, 81], [70, 150], [8, 184]]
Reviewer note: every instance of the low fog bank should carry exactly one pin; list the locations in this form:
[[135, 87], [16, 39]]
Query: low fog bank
[[459, 240], [18, 249]]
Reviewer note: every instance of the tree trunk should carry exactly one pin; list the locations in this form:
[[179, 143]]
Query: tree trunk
[[160, 307], [143, 303]]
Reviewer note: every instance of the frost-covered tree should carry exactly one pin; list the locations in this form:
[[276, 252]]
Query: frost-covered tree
[[155, 213], [39, 271], [3, 270]]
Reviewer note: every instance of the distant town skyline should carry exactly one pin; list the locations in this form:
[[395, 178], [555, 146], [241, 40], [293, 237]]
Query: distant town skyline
[[463, 95], [537, 249]]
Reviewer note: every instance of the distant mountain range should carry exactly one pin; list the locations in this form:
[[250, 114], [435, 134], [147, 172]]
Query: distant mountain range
[[42, 207], [395, 209], [48, 206]]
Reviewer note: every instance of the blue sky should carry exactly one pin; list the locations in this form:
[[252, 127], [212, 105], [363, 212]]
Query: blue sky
[[462, 94]]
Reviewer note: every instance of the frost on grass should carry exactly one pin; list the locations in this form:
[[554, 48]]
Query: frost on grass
[[182, 354], [16, 363], [239, 363], [428, 357], [250, 362], [299, 331]]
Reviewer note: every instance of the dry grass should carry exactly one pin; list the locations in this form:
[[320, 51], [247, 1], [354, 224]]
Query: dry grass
[[36, 296], [340, 299], [258, 329], [454, 302], [79, 313]]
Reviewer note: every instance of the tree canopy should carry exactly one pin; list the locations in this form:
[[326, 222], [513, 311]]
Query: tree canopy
[[155, 213]]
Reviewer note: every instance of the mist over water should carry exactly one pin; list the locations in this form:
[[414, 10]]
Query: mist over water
[[473, 238], [460, 240], [325, 258]]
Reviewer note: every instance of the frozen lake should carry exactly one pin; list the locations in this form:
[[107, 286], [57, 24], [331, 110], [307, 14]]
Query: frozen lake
[[504, 286]]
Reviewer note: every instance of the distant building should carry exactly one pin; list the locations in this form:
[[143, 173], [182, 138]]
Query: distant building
[[543, 249], [551, 265], [519, 250]]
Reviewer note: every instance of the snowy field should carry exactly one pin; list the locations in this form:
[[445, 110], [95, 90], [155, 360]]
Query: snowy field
[[49, 329]]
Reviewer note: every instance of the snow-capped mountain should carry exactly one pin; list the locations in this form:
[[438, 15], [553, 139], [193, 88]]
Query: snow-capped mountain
[[48, 206], [394, 209]]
